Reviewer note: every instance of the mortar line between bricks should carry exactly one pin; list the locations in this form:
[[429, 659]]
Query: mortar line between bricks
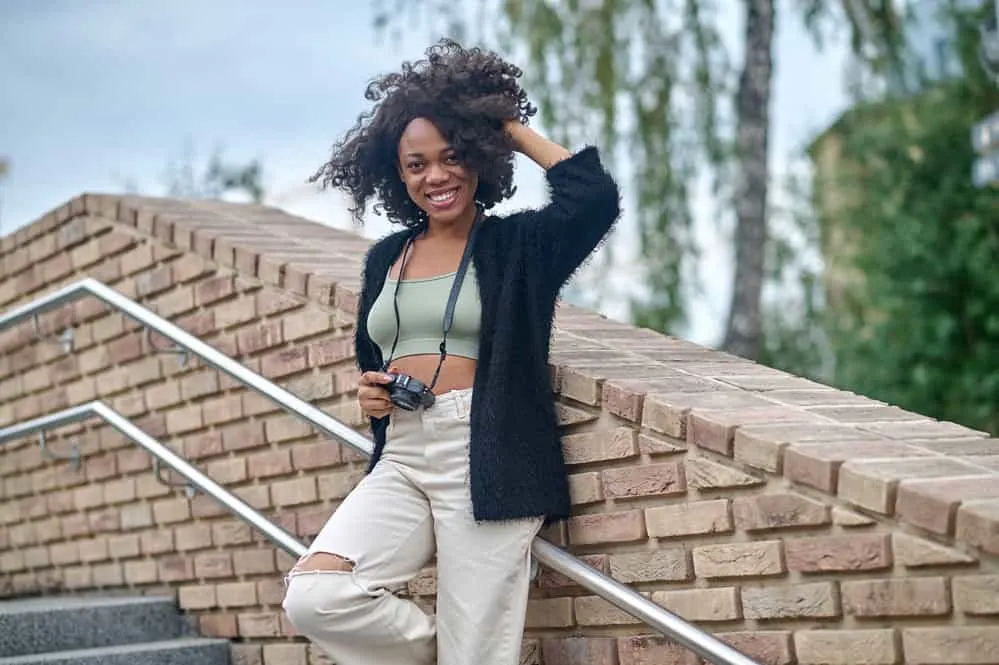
[[277, 233]]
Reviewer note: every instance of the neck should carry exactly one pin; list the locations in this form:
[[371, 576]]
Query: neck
[[459, 228]]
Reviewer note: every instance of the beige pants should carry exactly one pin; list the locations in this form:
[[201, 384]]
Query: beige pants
[[416, 501]]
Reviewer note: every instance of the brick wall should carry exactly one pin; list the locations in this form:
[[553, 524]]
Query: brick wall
[[802, 524]]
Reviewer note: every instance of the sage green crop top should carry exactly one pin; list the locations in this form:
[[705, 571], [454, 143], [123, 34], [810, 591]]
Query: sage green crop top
[[421, 313]]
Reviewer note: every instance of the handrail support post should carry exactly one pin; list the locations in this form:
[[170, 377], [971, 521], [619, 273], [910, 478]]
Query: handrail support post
[[190, 491], [66, 338], [175, 349], [74, 456]]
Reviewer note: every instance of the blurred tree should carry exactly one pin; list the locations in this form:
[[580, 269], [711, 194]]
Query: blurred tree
[[744, 329], [186, 177], [913, 309], [793, 339], [653, 80], [218, 179]]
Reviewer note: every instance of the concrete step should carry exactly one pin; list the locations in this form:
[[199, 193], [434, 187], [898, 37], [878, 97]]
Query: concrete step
[[44, 625], [183, 651]]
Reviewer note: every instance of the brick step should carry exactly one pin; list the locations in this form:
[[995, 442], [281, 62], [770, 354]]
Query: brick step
[[37, 626], [183, 651]]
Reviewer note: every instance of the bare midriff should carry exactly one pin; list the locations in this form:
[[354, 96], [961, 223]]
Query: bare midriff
[[457, 372]]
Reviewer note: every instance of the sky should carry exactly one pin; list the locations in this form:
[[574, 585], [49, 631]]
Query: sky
[[98, 94]]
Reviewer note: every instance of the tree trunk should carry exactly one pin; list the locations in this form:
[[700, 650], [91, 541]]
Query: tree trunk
[[744, 335]]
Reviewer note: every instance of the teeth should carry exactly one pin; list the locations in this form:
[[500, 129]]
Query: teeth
[[440, 198]]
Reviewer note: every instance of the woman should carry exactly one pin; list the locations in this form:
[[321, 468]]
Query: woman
[[467, 462]]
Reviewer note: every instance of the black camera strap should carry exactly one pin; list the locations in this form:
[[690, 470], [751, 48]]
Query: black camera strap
[[452, 300]]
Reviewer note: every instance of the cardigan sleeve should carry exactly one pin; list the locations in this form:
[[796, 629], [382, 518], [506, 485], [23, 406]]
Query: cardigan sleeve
[[584, 205]]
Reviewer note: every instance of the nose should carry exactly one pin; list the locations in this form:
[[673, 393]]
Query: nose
[[436, 174]]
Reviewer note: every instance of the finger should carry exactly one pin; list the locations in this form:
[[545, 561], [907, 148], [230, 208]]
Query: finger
[[374, 396], [372, 393], [375, 378], [378, 411], [368, 379], [376, 405]]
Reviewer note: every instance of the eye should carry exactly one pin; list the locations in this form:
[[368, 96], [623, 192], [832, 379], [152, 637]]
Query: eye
[[451, 160], [414, 165]]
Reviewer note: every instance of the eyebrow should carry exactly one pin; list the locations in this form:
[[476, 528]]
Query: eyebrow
[[420, 154]]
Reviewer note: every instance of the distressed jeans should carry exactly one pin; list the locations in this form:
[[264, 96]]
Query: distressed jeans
[[415, 503]]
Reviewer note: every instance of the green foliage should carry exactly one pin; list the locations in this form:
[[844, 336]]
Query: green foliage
[[920, 328], [793, 340]]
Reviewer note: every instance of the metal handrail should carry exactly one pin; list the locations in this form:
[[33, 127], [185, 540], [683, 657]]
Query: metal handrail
[[672, 626], [183, 339], [130, 430]]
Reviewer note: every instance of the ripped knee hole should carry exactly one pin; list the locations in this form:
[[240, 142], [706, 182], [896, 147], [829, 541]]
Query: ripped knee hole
[[324, 561]]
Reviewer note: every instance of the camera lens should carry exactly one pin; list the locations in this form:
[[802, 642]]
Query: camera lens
[[405, 399]]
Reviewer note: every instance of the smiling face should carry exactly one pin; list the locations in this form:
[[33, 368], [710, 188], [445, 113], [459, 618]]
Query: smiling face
[[436, 181]]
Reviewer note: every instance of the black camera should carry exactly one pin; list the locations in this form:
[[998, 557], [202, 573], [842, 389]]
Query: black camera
[[408, 393]]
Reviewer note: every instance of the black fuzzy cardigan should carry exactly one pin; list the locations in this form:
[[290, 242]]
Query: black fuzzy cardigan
[[521, 263]]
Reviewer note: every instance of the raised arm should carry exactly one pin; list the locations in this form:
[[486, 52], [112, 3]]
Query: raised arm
[[584, 205], [540, 150]]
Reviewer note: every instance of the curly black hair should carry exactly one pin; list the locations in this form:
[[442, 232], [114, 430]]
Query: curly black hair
[[466, 93]]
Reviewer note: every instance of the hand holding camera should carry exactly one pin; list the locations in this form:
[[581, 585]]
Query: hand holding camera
[[373, 395]]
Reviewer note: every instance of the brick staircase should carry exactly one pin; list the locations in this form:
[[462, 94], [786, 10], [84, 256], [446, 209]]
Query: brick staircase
[[801, 524]]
